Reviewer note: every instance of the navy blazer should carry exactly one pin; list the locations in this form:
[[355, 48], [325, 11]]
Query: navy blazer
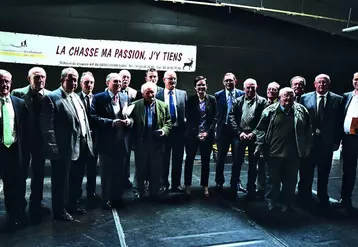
[[193, 116], [181, 99], [333, 118], [222, 108], [102, 116]]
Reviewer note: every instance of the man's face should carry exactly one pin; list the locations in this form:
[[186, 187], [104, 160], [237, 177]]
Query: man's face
[[87, 84], [298, 86], [355, 81], [149, 95], [5, 85], [115, 84], [126, 79], [250, 89], [170, 80], [321, 84], [286, 99], [37, 80], [70, 83], [152, 76], [272, 92], [201, 87], [229, 82]]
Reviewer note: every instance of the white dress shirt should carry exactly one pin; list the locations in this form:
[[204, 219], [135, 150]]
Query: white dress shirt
[[116, 107], [352, 112], [11, 111], [166, 100]]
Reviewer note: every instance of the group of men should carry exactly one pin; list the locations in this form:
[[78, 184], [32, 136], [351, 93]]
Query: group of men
[[285, 133]]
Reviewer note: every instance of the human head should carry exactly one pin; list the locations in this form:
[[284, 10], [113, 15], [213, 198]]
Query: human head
[[298, 84], [125, 78], [69, 79], [322, 83], [37, 78], [151, 75], [287, 97], [250, 86], [229, 81], [200, 85], [170, 79], [149, 89], [114, 83], [5, 82], [272, 90]]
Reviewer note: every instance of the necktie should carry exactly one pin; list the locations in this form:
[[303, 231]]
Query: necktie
[[149, 116], [87, 104], [7, 135], [172, 107], [320, 112], [115, 99], [229, 105]]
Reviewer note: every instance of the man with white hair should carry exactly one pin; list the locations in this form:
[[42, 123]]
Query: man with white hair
[[283, 136], [272, 92], [112, 126], [298, 84], [244, 116], [33, 95], [325, 109], [67, 142], [151, 124], [176, 100], [14, 152]]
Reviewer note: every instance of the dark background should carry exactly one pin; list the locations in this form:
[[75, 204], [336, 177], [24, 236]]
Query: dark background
[[245, 43]]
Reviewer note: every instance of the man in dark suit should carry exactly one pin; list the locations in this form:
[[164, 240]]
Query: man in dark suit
[[298, 84], [244, 116], [325, 110], [176, 100], [151, 124], [87, 84], [67, 143], [111, 122], [13, 152], [201, 117], [349, 144], [33, 95], [225, 135]]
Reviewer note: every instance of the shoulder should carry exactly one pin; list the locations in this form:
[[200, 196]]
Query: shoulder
[[217, 94], [20, 91], [239, 99], [335, 96], [261, 99], [17, 100], [211, 97], [161, 103], [308, 95], [239, 92], [100, 95]]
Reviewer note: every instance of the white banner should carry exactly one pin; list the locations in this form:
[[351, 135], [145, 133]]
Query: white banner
[[58, 51]]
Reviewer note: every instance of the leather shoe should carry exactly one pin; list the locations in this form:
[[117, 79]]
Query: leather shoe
[[107, 205], [206, 192], [177, 189], [346, 204], [241, 188], [285, 208], [63, 217], [271, 206], [76, 210]]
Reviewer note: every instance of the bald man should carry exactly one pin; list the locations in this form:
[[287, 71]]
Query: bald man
[[325, 109], [283, 135]]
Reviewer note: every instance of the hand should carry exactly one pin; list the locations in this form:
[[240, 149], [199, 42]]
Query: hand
[[243, 136], [162, 133], [251, 136], [116, 123], [335, 147], [258, 151], [125, 122]]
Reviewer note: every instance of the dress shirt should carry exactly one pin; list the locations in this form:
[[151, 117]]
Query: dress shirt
[[352, 111], [116, 107], [318, 97]]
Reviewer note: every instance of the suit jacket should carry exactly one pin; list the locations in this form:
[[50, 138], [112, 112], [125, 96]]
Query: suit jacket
[[25, 94], [236, 112], [102, 116], [181, 100], [222, 108], [193, 116], [139, 117], [333, 118], [21, 127], [60, 127]]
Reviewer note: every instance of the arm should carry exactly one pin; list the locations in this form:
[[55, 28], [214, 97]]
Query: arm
[[235, 117], [167, 121], [95, 118], [214, 107]]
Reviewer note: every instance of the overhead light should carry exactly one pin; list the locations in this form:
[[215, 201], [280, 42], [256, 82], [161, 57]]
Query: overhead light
[[350, 29]]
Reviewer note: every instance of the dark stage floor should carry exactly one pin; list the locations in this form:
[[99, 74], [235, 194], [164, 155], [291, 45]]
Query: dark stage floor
[[198, 222]]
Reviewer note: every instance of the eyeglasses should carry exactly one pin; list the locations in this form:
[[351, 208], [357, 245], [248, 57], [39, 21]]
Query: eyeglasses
[[171, 78], [116, 81]]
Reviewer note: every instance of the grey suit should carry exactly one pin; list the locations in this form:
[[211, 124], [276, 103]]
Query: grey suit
[[326, 139], [175, 140], [33, 103], [65, 147]]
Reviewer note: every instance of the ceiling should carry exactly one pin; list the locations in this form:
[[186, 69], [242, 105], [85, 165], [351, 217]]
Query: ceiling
[[326, 15]]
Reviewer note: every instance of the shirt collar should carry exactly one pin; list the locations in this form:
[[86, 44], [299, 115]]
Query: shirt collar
[[319, 95], [166, 91], [232, 92], [111, 94], [6, 98], [66, 93], [84, 95]]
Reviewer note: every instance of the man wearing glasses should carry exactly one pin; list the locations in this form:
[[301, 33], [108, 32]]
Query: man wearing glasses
[[176, 100], [225, 135]]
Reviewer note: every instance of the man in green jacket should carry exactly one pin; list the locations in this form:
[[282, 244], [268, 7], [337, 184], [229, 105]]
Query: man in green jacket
[[284, 136]]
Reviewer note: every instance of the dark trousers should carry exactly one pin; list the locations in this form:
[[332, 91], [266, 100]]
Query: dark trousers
[[282, 170], [349, 155], [12, 177], [91, 173], [236, 168], [37, 177], [191, 148], [148, 164], [127, 164], [322, 158], [66, 180], [227, 138], [261, 174], [174, 147]]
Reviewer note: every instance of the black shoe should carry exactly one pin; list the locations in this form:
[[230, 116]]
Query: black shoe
[[219, 188], [63, 217], [286, 208], [342, 204], [76, 210], [271, 206], [241, 188], [107, 205], [177, 189], [232, 194]]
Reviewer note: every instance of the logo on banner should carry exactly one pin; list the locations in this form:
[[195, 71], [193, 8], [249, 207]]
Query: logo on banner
[[23, 44], [189, 64]]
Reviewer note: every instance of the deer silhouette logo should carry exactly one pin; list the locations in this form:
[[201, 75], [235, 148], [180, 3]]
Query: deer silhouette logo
[[189, 64]]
